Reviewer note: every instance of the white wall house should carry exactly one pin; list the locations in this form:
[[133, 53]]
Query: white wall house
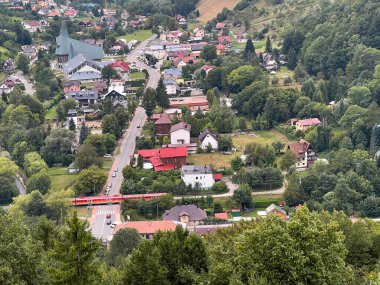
[[197, 175], [207, 138], [180, 133]]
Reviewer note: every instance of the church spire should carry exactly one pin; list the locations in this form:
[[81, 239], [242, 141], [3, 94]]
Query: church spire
[[63, 32]]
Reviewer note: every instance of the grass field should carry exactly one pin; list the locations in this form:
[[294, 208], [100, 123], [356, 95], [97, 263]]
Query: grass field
[[137, 75], [51, 114], [208, 9], [60, 178], [2, 76], [140, 35], [4, 53], [218, 160]]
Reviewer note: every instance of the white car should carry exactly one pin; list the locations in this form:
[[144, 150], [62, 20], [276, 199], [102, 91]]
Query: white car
[[114, 174]]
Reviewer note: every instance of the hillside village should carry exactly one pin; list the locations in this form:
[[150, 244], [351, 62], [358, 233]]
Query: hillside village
[[170, 137]]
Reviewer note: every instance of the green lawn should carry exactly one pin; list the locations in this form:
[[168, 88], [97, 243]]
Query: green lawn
[[51, 114], [137, 75], [2, 76], [140, 35], [60, 178], [253, 214]]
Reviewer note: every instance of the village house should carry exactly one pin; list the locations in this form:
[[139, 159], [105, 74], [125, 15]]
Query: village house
[[165, 158], [73, 115], [208, 139], [162, 125], [303, 125], [147, 229], [304, 154], [224, 40], [122, 69], [9, 65], [220, 49], [188, 214], [30, 51], [7, 86], [83, 97], [207, 68], [194, 103], [71, 13], [171, 86], [198, 176], [274, 210], [85, 23], [32, 26], [220, 26], [71, 86], [199, 32], [180, 133]]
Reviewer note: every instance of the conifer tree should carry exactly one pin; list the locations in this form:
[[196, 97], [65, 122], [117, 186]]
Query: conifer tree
[[162, 95], [268, 45], [83, 133]]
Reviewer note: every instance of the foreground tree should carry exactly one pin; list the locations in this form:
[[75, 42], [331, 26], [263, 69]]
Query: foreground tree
[[162, 95], [123, 243], [109, 73], [90, 181], [74, 254]]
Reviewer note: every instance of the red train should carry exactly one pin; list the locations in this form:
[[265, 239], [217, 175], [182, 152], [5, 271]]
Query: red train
[[112, 199]]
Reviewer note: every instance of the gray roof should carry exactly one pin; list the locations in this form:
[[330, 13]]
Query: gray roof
[[83, 94], [85, 76], [72, 111], [179, 126], [275, 207], [194, 213], [78, 60], [71, 47], [70, 83], [172, 71], [206, 132], [196, 169]]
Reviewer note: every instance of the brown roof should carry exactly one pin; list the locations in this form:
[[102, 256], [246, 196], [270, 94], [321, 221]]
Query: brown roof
[[164, 120], [299, 148], [181, 125]]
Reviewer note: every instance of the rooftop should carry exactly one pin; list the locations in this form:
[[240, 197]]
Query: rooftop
[[148, 227], [192, 211], [179, 126], [196, 169]]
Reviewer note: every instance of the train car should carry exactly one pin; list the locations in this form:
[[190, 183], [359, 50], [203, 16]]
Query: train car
[[112, 199]]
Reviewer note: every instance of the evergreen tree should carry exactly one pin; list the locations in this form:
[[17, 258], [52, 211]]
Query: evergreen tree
[[83, 133], [72, 125], [268, 45], [249, 50], [375, 139], [292, 59], [149, 101], [162, 95], [74, 254], [140, 162]]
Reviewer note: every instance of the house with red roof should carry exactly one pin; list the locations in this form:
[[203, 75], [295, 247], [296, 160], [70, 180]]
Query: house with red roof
[[71, 13], [220, 26], [162, 125], [122, 69], [224, 40], [52, 14], [207, 68], [165, 158], [304, 153], [222, 216], [147, 229], [303, 125], [220, 49]]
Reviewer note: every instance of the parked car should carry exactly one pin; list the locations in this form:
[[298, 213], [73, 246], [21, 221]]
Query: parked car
[[108, 216], [114, 174], [109, 221], [110, 185], [116, 169]]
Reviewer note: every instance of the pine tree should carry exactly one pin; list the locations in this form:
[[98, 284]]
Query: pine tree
[[268, 46], [74, 254], [71, 125], [149, 101], [162, 95], [83, 133], [249, 50], [292, 59], [140, 162], [375, 139]]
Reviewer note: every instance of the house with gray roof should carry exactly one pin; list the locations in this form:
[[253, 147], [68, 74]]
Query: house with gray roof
[[208, 139], [197, 176], [189, 214], [67, 48], [84, 97]]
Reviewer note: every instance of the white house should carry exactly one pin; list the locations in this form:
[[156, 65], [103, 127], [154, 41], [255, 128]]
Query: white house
[[200, 175], [171, 87], [180, 133], [207, 138]]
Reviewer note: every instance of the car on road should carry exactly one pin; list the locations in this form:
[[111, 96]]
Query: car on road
[[109, 222], [109, 185], [114, 174], [114, 224], [108, 216], [116, 169], [138, 126]]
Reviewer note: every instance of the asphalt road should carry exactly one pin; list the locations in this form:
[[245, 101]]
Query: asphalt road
[[99, 227]]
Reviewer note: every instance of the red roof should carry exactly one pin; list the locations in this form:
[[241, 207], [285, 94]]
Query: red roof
[[217, 176], [166, 152], [147, 153], [164, 120], [148, 227], [156, 161], [164, 167], [122, 64], [220, 47], [71, 12], [220, 25], [53, 14], [309, 122], [222, 39], [223, 216]]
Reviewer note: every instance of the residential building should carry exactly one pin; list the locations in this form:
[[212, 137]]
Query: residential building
[[208, 139], [180, 133], [122, 69], [84, 97], [197, 176], [221, 216], [147, 229], [188, 214], [162, 125], [224, 40], [7, 86], [194, 103], [171, 87], [274, 210], [303, 125], [68, 48], [304, 153], [30, 51], [71, 86], [220, 26], [85, 23], [165, 158], [9, 65]]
